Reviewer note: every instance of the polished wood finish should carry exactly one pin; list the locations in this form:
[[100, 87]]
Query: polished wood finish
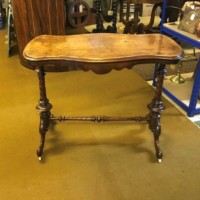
[[98, 52], [101, 53], [36, 17]]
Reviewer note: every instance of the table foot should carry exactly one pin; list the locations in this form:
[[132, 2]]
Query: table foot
[[43, 128], [159, 154], [155, 127]]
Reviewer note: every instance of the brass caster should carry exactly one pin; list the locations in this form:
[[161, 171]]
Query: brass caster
[[159, 160]]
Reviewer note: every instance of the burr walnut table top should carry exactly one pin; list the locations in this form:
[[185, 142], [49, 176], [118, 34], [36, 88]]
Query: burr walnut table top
[[100, 52]]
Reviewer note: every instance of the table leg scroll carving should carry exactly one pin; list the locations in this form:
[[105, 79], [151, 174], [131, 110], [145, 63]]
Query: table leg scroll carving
[[153, 118], [156, 107], [44, 108], [155, 127], [43, 128]]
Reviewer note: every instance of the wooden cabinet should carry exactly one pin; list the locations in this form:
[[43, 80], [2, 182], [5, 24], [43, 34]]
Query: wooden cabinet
[[36, 17]]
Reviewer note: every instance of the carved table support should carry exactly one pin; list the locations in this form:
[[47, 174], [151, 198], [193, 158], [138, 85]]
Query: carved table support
[[50, 53], [156, 107], [44, 108], [153, 118]]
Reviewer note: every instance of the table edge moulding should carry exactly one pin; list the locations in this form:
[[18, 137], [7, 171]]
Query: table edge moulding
[[101, 53]]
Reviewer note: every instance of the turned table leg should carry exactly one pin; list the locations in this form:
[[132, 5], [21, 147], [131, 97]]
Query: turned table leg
[[156, 107], [44, 108]]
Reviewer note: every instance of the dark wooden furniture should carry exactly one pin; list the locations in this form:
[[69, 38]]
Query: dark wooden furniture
[[134, 25], [101, 53], [107, 13], [78, 13], [36, 17]]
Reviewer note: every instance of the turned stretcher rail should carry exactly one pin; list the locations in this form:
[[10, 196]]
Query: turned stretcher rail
[[99, 118], [101, 53]]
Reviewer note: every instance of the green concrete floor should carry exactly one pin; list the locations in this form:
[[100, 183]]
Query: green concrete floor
[[91, 161]]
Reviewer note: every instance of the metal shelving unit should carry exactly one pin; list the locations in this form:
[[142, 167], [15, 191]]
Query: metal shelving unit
[[191, 39]]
